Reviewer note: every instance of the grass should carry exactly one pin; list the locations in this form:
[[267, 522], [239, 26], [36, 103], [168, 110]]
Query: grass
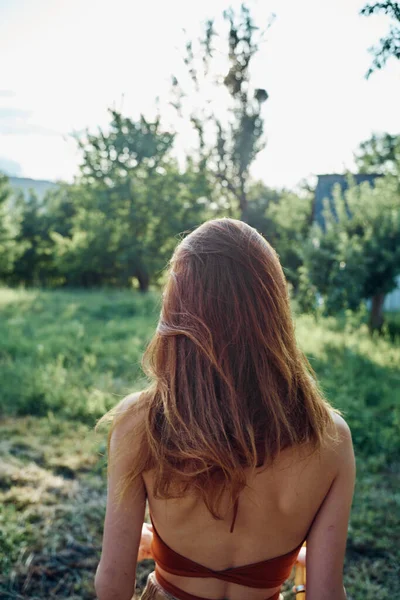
[[66, 357], [71, 353]]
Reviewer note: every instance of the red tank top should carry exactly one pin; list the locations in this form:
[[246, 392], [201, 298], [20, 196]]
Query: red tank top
[[264, 574]]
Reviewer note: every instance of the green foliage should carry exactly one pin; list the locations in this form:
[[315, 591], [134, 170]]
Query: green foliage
[[128, 147], [39, 222], [389, 46], [32, 265], [379, 154], [131, 202], [284, 218], [117, 224], [66, 357], [356, 255], [9, 250]]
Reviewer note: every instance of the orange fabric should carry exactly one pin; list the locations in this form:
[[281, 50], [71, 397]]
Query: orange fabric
[[265, 574], [181, 595]]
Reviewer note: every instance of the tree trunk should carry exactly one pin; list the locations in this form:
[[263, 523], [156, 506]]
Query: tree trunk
[[376, 315], [244, 206], [143, 279]]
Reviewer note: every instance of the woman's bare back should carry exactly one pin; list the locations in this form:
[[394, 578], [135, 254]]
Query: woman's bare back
[[276, 511]]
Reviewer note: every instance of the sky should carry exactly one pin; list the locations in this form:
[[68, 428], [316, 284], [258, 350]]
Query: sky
[[64, 62]]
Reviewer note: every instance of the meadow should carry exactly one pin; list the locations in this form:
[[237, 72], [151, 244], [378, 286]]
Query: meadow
[[68, 356]]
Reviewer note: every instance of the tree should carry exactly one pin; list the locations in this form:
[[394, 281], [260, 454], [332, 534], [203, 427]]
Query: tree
[[356, 255], [35, 222], [116, 225], [131, 201], [228, 143], [389, 46], [38, 220], [109, 158], [30, 268], [379, 154], [284, 218], [9, 226]]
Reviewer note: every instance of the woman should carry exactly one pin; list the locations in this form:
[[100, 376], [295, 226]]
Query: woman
[[235, 449]]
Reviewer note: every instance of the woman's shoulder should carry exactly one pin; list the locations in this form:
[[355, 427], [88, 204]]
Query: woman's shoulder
[[340, 446], [128, 416], [340, 430], [127, 404], [327, 457], [335, 451], [341, 425]]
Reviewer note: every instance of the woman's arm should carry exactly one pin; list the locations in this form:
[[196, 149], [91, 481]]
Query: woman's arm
[[326, 543], [115, 577]]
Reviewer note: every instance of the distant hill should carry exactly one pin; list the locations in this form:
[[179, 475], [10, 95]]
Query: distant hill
[[24, 185]]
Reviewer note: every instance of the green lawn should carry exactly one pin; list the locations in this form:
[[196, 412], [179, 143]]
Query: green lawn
[[65, 357]]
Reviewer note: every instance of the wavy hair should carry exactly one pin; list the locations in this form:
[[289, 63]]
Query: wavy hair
[[229, 386]]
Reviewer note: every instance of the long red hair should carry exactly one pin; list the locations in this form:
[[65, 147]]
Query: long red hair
[[229, 386]]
